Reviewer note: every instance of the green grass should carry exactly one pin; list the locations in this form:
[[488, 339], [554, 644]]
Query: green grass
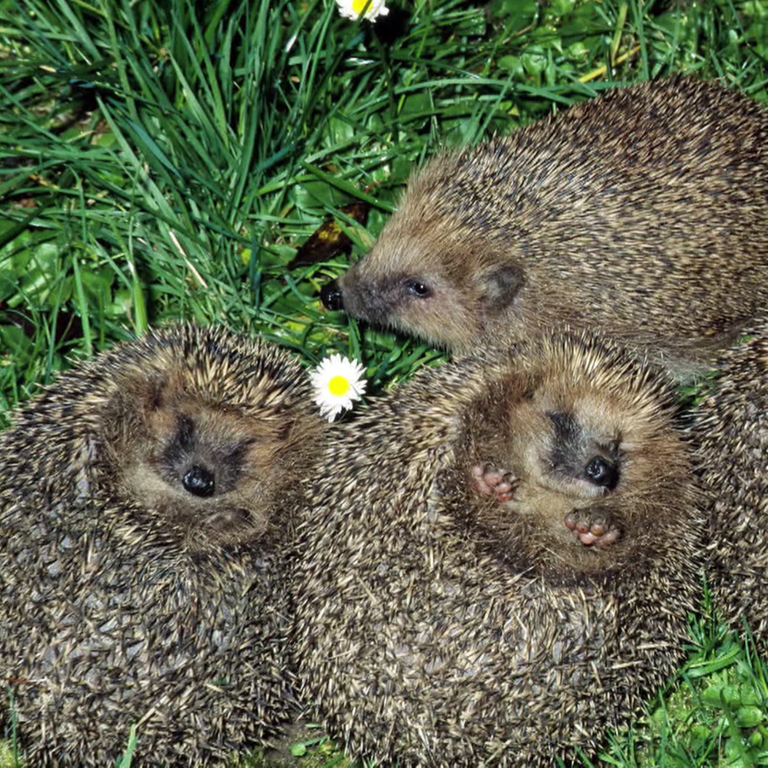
[[713, 713], [167, 160]]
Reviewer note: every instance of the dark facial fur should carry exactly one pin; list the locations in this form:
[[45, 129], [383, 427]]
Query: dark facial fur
[[578, 457], [428, 634], [147, 507], [550, 226]]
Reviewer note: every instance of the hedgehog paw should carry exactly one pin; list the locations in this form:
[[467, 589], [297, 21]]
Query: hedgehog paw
[[593, 528], [489, 480]]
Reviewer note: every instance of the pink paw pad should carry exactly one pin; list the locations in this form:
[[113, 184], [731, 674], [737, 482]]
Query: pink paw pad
[[592, 529], [490, 481]]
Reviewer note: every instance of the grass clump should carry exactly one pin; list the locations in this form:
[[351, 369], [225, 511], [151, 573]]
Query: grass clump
[[714, 713], [161, 161]]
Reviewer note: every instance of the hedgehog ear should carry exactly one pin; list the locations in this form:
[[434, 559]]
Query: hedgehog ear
[[499, 286]]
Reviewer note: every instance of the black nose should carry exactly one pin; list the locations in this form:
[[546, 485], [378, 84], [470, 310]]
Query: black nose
[[602, 472], [199, 481], [330, 295]]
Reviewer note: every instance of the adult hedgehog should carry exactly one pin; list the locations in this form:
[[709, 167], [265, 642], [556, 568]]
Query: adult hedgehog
[[732, 434], [146, 501], [438, 625], [642, 213]]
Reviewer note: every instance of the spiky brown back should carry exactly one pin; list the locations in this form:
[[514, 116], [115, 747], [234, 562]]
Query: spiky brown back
[[732, 431], [112, 618], [418, 642], [640, 213]]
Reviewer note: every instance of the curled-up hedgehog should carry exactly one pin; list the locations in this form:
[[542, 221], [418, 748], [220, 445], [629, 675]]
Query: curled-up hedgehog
[[499, 558], [642, 212], [731, 432], [147, 502]]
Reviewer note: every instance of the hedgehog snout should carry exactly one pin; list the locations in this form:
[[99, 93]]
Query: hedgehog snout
[[375, 301], [602, 472], [331, 296], [199, 481]]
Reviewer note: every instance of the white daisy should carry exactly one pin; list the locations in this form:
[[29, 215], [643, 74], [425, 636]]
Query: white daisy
[[370, 9], [337, 382]]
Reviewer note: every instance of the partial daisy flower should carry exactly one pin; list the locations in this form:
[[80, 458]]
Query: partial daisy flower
[[337, 382], [370, 9]]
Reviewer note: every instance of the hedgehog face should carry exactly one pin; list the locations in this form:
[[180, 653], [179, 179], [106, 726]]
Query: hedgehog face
[[212, 463], [558, 459], [432, 280], [211, 470], [577, 449]]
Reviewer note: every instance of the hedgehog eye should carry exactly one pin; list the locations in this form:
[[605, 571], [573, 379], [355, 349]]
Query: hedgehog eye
[[417, 288], [199, 481], [601, 472]]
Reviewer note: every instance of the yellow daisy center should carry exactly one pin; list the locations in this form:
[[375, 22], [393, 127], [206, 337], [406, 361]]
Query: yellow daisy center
[[359, 5], [338, 385]]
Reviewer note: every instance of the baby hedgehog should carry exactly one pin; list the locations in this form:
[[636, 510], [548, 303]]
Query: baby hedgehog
[[732, 434], [439, 623], [146, 502], [642, 213]]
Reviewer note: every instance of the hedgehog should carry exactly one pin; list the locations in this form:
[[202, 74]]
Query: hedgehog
[[551, 448], [731, 434], [147, 503], [597, 217], [444, 620]]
